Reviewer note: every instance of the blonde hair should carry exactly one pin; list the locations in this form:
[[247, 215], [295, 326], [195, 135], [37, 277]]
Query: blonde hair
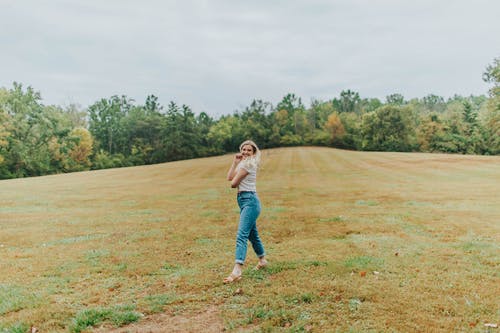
[[253, 161]]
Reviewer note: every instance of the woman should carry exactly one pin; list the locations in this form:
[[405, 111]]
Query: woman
[[243, 175]]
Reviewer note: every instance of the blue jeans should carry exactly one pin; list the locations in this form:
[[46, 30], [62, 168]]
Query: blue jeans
[[247, 230]]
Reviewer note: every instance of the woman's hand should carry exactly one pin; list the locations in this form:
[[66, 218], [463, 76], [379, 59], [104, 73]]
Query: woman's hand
[[232, 170], [237, 158]]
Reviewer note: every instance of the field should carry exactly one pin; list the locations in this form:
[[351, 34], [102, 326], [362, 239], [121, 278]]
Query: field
[[357, 242]]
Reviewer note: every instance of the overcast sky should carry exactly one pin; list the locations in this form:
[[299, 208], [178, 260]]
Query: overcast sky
[[217, 56]]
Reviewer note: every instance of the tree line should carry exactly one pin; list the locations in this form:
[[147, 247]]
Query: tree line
[[36, 139]]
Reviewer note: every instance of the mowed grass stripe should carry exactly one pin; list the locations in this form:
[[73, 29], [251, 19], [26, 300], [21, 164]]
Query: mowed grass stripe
[[358, 241]]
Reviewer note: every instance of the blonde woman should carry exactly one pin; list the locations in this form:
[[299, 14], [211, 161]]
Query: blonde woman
[[243, 176]]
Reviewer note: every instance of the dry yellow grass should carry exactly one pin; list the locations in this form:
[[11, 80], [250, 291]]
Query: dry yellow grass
[[357, 241]]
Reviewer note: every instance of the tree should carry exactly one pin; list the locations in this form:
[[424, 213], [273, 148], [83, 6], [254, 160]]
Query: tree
[[434, 103], [4, 135], [81, 149], [33, 137], [203, 124], [319, 112], [335, 128], [470, 117], [430, 133], [255, 123], [389, 128], [316, 118], [352, 126], [143, 128], [152, 105], [369, 105], [348, 102], [225, 135], [29, 133], [105, 118], [492, 119], [76, 115], [492, 75], [395, 99], [295, 124], [180, 137]]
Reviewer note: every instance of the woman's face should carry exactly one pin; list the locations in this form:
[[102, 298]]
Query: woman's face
[[247, 150]]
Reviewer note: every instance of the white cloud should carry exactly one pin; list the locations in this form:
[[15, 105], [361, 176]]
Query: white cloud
[[216, 56]]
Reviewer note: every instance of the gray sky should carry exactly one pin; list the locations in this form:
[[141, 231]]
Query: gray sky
[[216, 56]]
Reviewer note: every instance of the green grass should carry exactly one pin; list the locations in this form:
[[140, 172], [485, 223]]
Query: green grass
[[77, 239], [356, 241], [157, 303], [15, 328], [364, 262], [118, 316], [14, 298]]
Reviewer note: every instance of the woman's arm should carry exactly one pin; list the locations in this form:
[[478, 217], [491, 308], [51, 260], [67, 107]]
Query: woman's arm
[[242, 173], [232, 170]]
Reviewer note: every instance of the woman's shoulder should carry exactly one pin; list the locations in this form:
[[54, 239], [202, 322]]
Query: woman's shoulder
[[250, 165]]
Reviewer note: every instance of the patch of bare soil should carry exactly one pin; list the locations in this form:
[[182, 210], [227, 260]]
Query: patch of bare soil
[[208, 321]]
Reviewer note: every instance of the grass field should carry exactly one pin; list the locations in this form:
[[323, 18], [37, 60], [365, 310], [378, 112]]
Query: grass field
[[357, 242]]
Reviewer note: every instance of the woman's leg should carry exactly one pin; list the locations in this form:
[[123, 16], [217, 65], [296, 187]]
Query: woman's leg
[[257, 245], [258, 248], [249, 212], [248, 217], [244, 229], [254, 238]]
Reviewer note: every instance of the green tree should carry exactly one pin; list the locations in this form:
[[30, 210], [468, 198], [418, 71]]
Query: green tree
[[369, 105], [152, 105], [462, 132], [470, 117], [389, 128], [181, 139], [225, 135], [430, 133], [349, 101], [316, 118], [143, 128], [76, 116], [295, 126], [318, 113], [255, 123], [395, 99], [32, 135], [105, 117], [4, 139], [434, 103], [492, 118], [203, 124], [352, 139]]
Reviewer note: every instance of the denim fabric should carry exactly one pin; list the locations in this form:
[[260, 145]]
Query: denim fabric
[[247, 230]]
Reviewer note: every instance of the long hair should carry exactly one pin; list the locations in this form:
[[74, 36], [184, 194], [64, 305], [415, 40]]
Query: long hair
[[253, 161]]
